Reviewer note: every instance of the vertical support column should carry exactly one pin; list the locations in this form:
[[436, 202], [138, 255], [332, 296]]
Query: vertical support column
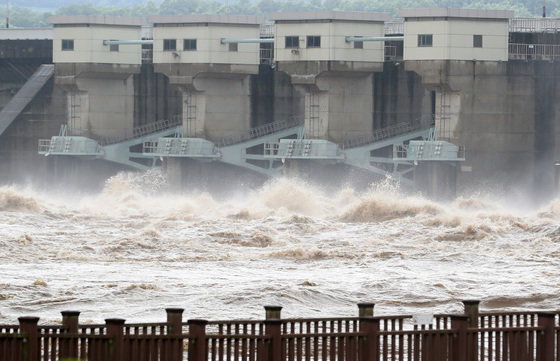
[[28, 327], [69, 344], [369, 344], [545, 345], [115, 331], [175, 328], [197, 340], [174, 321], [459, 325], [471, 311], [273, 329], [273, 312], [365, 309]]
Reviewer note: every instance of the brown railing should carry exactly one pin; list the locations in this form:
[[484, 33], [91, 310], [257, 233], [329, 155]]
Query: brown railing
[[472, 336]]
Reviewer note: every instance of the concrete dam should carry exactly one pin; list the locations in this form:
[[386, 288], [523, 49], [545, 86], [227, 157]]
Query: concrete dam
[[444, 101]]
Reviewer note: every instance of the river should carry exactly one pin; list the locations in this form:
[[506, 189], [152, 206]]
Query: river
[[134, 249]]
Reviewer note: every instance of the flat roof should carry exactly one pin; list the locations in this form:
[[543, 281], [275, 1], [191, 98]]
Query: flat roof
[[456, 13], [206, 18], [26, 34], [329, 15], [97, 19]]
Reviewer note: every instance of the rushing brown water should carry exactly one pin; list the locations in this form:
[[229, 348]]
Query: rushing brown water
[[130, 251]]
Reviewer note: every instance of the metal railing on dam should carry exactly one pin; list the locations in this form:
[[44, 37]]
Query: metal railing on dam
[[383, 133], [547, 52], [473, 335], [143, 130], [260, 131]]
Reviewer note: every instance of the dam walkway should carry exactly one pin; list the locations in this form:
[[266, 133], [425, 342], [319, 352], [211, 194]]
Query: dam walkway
[[473, 335]]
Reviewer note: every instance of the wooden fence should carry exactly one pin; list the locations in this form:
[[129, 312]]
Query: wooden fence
[[472, 336]]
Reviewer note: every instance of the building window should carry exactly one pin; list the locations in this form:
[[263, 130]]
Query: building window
[[233, 47], [67, 44], [358, 44], [292, 41], [189, 44], [114, 47], [313, 41], [424, 39], [169, 44], [477, 41]]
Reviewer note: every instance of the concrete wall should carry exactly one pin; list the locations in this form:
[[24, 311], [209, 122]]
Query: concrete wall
[[333, 45], [209, 50], [507, 117], [400, 96], [216, 107], [153, 100], [106, 107], [88, 44], [453, 39]]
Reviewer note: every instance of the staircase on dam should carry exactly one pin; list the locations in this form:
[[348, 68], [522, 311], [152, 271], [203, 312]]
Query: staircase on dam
[[245, 151], [27, 92], [393, 150], [118, 150]]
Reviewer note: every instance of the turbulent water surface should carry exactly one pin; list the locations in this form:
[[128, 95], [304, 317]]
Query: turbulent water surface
[[130, 251]]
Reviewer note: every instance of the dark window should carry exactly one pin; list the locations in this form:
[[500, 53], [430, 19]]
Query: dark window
[[114, 47], [477, 41], [358, 44], [233, 47], [189, 44], [313, 41], [424, 39], [292, 41], [67, 44], [169, 44]]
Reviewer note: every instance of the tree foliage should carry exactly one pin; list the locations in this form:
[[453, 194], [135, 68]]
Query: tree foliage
[[25, 17]]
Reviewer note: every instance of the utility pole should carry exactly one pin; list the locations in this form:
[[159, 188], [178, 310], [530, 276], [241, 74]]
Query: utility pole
[[7, 14], [544, 9]]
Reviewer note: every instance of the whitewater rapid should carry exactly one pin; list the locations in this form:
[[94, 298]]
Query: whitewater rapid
[[134, 249]]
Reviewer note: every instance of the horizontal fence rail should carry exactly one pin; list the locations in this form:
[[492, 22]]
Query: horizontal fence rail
[[471, 336]]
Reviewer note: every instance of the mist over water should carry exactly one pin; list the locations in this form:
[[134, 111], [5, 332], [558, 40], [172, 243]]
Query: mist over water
[[134, 249]]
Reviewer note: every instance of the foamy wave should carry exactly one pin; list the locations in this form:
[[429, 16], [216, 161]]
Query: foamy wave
[[378, 207], [293, 196], [12, 200], [552, 210], [300, 254], [469, 232]]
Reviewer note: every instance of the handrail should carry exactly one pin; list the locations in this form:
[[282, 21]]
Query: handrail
[[383, 133], [260, 131], [143, 130]]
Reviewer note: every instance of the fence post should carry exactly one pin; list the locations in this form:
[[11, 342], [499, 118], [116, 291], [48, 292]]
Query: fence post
[[174, 321], [197, 340], [28, 327], [471, 311], [365, 309], [459, 325], [115, 331], [273, 329], [175, 328], [369, 344], [273, 312], [545, 345], [69, 345]]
